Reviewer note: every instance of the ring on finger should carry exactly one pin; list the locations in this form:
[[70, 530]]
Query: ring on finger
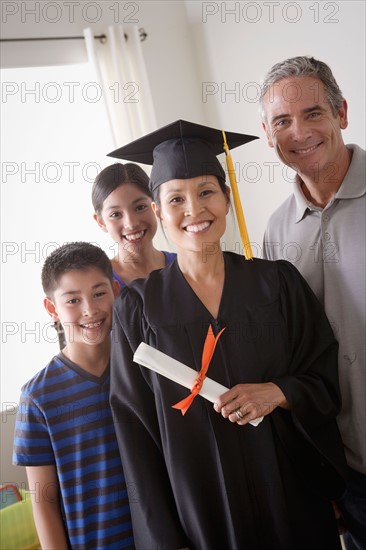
[[239, 414]]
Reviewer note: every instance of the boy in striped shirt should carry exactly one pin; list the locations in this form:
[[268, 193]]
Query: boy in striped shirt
[[64, 433]]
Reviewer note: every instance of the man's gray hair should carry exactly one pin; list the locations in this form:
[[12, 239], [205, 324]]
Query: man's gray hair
[[300, 67]]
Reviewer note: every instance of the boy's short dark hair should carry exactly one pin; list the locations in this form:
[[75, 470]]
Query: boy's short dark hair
[[76, 256]]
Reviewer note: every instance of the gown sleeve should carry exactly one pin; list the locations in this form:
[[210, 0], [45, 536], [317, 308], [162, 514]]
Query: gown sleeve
[[154, 515], [311, 385]]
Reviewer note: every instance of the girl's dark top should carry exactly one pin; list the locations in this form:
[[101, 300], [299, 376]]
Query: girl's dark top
[[169, 257]]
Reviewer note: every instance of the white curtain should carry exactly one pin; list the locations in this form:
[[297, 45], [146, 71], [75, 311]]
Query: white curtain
[[121, 73]]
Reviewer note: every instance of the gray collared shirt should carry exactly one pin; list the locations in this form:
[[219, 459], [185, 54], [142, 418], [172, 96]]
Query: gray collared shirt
[[327, 245]]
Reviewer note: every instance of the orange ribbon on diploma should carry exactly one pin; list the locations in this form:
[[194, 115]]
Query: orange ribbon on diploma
[[208, 351]]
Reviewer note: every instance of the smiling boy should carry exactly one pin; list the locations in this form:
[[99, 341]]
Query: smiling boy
[[64, 434]]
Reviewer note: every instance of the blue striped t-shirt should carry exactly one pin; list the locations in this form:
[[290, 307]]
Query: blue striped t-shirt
[[64, 418]]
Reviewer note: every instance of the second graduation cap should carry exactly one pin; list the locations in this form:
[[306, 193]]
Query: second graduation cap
[[184, 150]]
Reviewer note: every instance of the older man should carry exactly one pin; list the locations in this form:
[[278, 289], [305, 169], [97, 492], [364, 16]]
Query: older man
[[323, 224]]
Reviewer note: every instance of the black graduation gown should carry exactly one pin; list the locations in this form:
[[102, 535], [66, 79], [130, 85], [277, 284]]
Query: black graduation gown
[[199, 480]]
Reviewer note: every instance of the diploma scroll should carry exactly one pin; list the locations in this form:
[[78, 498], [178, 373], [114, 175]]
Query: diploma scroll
[[176, 371]]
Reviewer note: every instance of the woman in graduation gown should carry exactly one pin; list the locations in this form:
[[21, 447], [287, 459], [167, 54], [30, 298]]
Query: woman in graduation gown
[[209, 479]]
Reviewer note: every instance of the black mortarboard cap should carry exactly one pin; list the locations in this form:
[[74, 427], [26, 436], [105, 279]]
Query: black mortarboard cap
[[181, 150]]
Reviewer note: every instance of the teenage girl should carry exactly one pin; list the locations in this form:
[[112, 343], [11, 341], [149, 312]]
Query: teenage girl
[[122, 204]]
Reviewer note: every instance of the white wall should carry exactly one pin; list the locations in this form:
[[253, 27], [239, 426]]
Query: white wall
[[238, 42], [34, 214], [197, 52], [168, 49]]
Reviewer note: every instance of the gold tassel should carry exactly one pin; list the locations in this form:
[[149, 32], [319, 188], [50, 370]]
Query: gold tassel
[[237, 203]]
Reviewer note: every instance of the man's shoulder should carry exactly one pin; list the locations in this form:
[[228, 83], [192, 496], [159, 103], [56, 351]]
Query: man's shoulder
[[357, 168], [280, 227], [282, 213], [360, 152]]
